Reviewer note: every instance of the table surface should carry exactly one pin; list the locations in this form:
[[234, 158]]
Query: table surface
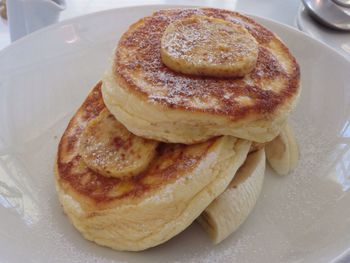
[[283, 11]]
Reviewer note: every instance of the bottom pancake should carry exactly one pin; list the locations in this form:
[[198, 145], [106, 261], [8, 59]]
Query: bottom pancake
[[141, 211]]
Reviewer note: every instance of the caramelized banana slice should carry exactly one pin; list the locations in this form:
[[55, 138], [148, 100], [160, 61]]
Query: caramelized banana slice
[[282, 152], [256, 146], [206, 46], [108, 148], [228, 211]]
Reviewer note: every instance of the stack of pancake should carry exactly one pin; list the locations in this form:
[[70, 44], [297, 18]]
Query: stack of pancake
[[178, 128]]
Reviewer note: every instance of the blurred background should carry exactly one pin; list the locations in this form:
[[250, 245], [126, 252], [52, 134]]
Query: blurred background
[[73, 8], [20, 17]]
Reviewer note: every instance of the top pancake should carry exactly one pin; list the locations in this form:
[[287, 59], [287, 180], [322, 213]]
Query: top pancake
[[253, 107]]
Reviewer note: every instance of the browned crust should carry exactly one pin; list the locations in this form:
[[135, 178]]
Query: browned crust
[[142, 40], [172, 161]]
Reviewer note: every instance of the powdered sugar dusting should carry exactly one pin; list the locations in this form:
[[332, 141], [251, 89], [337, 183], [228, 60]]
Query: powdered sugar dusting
[[107, 147], [203, 41], [171, 161], [138, 62]]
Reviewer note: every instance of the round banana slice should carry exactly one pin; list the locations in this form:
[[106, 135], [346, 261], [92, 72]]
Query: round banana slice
[[206, 46], [228, 211], [282, 153], [108, 148]]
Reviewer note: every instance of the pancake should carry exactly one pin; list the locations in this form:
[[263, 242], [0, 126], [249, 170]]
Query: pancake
[[155, 102], [141, 211]]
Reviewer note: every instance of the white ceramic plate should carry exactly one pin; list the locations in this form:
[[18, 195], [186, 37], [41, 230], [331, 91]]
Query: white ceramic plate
[[304, 217], [339, 40]]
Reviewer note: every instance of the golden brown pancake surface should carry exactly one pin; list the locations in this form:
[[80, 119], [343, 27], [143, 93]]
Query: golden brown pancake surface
[[138, 68], [153, 205], [171, 162]]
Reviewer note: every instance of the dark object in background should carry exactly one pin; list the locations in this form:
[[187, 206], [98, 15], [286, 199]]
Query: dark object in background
[[3, 12]]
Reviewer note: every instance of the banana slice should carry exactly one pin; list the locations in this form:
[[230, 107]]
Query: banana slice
[[282, 152], [206, 46], [256, 146], [227, 212], [108, 148]]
